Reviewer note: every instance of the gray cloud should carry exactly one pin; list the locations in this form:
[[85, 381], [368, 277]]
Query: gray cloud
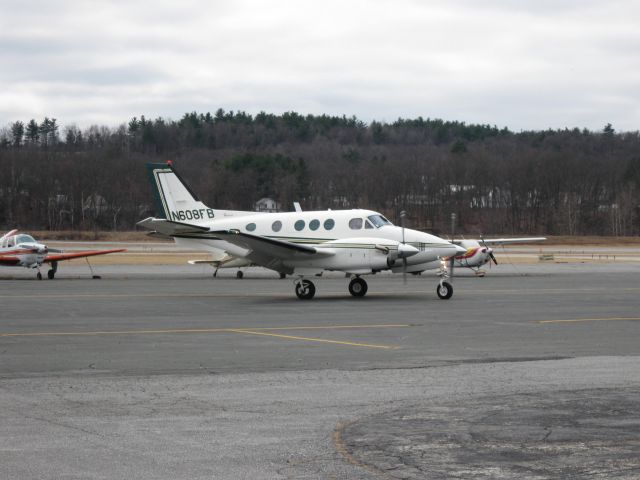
[[533, 66]]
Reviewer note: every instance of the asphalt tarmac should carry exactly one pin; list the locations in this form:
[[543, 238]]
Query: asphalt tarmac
[[164, 372]]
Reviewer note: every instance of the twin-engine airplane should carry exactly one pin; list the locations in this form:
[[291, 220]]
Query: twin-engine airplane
[[478, 253], [303, 244], [22, 250]]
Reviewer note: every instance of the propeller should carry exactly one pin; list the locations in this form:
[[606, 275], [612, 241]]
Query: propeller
[[489, 251], [452, 258], [403, 214]]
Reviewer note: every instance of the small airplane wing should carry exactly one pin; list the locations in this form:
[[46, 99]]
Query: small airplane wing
[[9, 260], [507, 241], [269, 252], [59, 257]]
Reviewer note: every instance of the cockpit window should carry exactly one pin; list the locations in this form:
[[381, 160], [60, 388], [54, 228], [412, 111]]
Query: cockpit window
[[355, 223], [379, 220], [367, 224], [24, 239]]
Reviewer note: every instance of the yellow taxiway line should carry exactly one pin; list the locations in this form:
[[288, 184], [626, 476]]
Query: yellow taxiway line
[[249, 331], [580, 320], [308, 339]]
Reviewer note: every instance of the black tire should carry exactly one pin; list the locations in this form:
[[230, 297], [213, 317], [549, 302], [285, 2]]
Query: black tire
[[239, 275], [358, 287], [283, 276], [444, 290], [305, 290], [51, 274]]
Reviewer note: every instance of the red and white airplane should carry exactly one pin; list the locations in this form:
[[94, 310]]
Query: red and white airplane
[[22, 250], [479, 253]]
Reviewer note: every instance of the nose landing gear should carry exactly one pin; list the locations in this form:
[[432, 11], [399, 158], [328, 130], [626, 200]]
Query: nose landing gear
[[444, 290]]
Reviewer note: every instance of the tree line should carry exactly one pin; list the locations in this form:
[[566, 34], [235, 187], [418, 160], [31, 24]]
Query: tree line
[[556, 182]]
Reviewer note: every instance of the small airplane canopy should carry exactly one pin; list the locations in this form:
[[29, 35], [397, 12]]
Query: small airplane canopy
[[24, 238]]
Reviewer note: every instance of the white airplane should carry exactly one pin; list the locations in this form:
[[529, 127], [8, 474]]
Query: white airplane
[[303, 244], [22, 250], [478, 253]]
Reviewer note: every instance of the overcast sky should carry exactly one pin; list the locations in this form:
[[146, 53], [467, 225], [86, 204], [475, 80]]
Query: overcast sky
[[521, 64]]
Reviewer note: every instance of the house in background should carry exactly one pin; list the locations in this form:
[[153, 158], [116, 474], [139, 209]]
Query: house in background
[[267, 205]]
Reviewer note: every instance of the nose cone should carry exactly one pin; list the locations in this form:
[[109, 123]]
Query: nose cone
[[460, 249], [405, 250]]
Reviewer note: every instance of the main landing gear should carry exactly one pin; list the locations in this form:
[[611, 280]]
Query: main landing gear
[[52, 271], [305, 289], [358, 287]]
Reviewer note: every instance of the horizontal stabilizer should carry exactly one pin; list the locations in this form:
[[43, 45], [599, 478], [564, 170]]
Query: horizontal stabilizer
[[170, 228]]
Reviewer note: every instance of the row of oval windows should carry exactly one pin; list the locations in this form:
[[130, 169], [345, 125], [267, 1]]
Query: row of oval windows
[[299, 225]]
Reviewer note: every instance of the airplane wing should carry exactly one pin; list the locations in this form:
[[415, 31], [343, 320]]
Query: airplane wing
[[9, 260], [88, 253], [269, 252], [507, 241]]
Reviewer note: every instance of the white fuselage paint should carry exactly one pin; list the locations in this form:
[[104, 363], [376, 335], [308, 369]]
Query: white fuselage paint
[[355, 250]]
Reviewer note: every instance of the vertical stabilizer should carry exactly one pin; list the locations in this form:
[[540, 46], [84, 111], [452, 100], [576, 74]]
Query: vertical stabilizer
[[176, 202]]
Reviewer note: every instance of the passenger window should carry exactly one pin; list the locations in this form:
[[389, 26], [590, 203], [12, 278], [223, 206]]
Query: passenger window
[[314, 224], [329, 223], [276, 226], [299, 225], [251, 227], [355, 223]]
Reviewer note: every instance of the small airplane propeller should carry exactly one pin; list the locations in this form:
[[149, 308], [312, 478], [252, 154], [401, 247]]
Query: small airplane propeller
[[489, 251]]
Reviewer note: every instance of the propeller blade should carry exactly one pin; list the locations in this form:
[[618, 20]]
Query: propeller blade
[[493, 257], [403, 214], [404, 270]]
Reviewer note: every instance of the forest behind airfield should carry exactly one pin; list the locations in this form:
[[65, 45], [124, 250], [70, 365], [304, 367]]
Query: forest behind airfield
[[554, 182]]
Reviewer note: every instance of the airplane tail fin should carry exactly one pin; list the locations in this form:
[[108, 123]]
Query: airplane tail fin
[[176, 202]]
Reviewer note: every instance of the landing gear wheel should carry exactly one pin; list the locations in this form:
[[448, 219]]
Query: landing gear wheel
[[239, 275], [358, 287], [444, 290], [283, 275], [39, 276], [305, 290], [51, 274]]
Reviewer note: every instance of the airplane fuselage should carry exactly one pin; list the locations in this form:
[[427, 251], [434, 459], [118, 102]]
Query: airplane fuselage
[[361, 241]]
